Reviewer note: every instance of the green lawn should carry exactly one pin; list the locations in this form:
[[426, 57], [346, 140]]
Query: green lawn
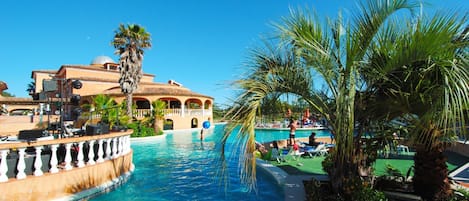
[[306, 165]]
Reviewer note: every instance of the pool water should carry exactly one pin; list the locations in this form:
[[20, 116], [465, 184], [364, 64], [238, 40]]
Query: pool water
[[271, 135], [181, 167]]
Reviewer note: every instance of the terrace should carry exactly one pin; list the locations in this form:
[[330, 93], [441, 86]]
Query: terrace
[[60, 168]]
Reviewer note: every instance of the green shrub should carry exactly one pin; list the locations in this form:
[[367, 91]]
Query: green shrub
[[328, 163], [140, 130], [368, 194]]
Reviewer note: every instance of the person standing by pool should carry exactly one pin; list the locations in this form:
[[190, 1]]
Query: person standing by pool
[[292, 127]]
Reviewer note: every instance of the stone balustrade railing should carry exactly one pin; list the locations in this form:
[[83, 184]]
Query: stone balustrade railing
[[141, 113], [19, 159], [172, 112]]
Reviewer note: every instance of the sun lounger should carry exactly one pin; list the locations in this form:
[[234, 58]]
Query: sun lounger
[[320, 150], [277, 156]]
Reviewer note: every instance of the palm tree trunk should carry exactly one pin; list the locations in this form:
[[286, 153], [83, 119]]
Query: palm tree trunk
[[155, 126], [431, 174], [344, 176], [129, 105]]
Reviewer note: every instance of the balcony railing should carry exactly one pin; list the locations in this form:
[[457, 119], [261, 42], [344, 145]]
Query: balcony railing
[[19, 159], [172, 112], [140, 113], [176, 112]]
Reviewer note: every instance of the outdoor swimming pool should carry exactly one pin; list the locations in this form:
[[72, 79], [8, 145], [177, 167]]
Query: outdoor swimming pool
[[181, 167], [271, 135]]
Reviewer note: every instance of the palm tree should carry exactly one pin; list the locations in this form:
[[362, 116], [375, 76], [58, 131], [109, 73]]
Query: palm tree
[[422, 75], [103, 105], [158, 107], [336, 54], [31, 88], [130, 42], [272, 71]]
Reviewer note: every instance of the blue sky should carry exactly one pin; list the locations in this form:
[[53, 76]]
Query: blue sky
[[200, 43]]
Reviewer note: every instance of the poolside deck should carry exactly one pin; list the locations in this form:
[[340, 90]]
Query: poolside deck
[[306, 168], [313, 166]]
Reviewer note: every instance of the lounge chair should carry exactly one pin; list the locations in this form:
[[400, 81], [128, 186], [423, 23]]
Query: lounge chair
[[276, 155], [287, 153], [296, 154], [402, 150], [320, 150]]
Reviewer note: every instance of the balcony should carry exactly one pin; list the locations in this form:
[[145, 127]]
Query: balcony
[[176, 112], [60, 168]]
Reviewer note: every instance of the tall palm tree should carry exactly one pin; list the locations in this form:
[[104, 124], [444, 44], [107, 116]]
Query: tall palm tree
[[422, 75], [336, 55], [31, 89], [130, 42]]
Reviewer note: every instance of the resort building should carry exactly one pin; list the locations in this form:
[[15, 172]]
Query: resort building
[[185, 109], [36, 166]]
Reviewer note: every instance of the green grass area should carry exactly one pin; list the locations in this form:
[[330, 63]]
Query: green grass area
[[307, 165]]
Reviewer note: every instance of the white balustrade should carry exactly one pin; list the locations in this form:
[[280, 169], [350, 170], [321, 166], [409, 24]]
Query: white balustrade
[[126, 144], [53, 159], [80, 162], [91, 153], [109, 148], [100, 151], [114, 148], [3, 166], [121, 144], [21, 164], [141, 113], [68, 156], [38, 162]]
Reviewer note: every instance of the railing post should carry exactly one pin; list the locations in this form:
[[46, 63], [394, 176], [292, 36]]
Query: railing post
[[38, 162], [68, 156], [21, 164], [108, 148], [126, 144], [121, 146], [80, 162], [114, 148], [91, 153], [100, 151], [53, 159], [4, 166]]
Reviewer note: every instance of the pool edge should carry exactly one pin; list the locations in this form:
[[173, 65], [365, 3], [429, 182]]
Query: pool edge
[[277, 173]]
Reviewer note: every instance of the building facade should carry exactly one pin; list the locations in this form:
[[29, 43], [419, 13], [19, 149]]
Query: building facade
[[185, 109]]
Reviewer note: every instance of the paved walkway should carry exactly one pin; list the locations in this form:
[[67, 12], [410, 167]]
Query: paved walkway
[[292, 184], [294, 188]]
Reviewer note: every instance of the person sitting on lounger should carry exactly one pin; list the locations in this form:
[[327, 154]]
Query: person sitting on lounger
[[312, 140]]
